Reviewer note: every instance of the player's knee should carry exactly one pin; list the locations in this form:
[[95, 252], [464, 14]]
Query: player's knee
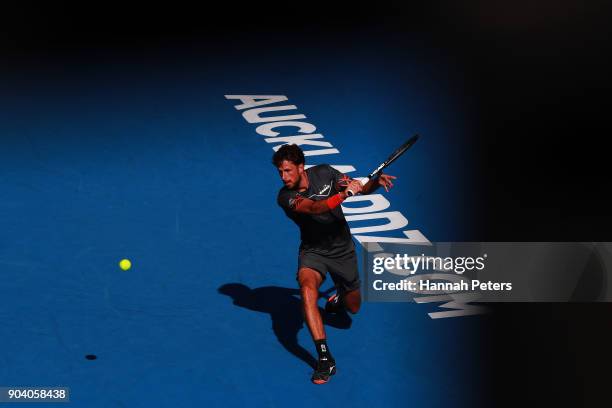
[[353, 309], [308, 286], [352, 301], [308, 279]]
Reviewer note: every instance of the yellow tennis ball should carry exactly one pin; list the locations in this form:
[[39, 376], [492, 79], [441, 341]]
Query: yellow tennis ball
[[125, 264]]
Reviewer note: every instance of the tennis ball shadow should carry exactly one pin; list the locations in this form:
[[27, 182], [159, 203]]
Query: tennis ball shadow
[[285, 309]]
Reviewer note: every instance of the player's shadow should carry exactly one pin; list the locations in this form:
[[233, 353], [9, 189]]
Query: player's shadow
[[285, 308]]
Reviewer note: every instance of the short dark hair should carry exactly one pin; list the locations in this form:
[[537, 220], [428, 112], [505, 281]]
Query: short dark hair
[[290, 152]]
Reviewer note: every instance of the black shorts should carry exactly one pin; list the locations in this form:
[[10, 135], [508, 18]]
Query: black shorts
[[343, 269]]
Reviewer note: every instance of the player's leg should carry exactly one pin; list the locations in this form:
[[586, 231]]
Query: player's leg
[[345, 273], [310, 281], [352, 300]]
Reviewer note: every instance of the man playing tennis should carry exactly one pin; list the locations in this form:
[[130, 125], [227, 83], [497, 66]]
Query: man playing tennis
[[312, 198]]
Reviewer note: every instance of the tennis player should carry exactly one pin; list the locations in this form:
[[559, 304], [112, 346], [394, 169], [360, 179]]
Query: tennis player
[[312, 198]]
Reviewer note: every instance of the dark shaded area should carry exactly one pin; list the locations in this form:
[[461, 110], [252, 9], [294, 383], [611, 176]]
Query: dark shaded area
[[554, 354], [593, 281], [91, 357], [285, 309], [543, 87]]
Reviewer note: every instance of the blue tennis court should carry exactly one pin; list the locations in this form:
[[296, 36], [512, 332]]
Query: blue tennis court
[[144, 157]]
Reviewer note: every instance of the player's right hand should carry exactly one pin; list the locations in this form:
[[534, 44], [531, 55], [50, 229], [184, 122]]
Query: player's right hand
[[355, 187]]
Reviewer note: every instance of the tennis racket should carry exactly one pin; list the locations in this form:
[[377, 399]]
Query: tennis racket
[[397, 153]]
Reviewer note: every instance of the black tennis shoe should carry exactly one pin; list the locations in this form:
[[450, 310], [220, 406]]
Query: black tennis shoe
[[325, 369], [333, 304]]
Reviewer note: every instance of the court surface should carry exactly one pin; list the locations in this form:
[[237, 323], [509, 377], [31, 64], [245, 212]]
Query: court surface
[[143, 157]]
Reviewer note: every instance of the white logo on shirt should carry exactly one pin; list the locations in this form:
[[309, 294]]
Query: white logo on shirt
[[324, 191]]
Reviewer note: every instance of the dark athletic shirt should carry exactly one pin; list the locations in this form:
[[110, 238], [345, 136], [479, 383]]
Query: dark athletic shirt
[[327, 233]]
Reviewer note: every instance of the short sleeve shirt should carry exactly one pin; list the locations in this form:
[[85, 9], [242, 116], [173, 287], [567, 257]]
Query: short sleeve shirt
[[327, 233]]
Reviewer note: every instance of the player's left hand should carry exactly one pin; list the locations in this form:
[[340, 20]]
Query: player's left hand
[[386, 181]]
